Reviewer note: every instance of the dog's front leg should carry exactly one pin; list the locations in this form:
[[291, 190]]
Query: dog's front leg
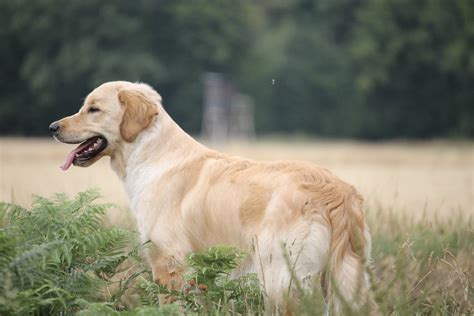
[[167, 270]]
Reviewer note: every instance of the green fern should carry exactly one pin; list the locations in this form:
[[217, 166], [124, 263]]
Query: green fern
[[216, 290], [57, 254], [209, 288]]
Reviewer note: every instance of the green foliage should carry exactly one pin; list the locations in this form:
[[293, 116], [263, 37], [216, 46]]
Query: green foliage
[[107, 310], [209, 288], [371, 68], [214, 290], [56, 258], [419, 268], [210, 264], [412, 62], [54, 54], [56, 255], [423, 267], [343, 68]]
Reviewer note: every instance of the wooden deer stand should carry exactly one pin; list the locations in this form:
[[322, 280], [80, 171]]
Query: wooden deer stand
[[227, 114]]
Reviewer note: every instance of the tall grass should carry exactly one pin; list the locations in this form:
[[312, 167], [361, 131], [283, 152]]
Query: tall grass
[[57, 258], [423, 267]]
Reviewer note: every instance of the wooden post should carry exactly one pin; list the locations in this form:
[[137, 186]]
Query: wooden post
[[227, 114]]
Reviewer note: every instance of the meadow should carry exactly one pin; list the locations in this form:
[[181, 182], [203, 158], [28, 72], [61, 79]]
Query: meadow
[[407, 178], [419, 201]]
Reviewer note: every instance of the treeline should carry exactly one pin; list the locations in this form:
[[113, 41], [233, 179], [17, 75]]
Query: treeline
[[369, 69]]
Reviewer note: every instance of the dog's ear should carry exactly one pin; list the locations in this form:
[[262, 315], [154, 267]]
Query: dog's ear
[[139, 111]]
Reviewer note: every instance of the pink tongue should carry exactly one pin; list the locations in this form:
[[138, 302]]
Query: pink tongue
[[72, 155]]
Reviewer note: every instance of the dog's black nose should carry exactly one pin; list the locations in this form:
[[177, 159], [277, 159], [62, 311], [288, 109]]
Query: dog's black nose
[[54, 127]]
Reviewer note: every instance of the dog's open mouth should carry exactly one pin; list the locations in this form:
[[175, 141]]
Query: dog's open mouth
[[85, 152]]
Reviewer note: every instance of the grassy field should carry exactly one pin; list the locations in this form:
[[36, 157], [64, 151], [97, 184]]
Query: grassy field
[[419, 198], [406, 178]]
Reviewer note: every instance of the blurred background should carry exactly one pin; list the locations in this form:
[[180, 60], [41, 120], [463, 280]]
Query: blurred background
[[346, 68], [317, 80]]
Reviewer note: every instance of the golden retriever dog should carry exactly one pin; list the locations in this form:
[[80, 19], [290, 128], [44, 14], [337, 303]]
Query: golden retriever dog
[[295, 219]]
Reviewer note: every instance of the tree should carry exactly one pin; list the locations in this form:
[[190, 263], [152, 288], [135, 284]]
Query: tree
[[56, 52], [414, 67], [343, 68]]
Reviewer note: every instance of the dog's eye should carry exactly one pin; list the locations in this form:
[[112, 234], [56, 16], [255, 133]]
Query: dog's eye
[[93, 109]]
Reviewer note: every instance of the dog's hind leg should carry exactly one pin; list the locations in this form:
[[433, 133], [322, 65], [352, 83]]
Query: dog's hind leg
[[288, 262]]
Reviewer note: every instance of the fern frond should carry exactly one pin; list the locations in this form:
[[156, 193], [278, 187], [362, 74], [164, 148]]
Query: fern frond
[[56, 254], [151, 292], [27, 265]]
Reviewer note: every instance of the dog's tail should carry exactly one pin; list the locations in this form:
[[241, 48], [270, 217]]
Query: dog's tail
[[346, 281]]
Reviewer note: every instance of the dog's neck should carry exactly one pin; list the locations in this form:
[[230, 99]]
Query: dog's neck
[[162, 142]]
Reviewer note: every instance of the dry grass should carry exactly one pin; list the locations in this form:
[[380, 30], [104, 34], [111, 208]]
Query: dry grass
[[422, 266], [409, 177], [404, 177]]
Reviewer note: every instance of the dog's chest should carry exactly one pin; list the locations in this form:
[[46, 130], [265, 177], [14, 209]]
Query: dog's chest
[[146, 197]]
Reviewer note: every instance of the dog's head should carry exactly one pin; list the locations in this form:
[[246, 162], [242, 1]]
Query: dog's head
[[113, 114]]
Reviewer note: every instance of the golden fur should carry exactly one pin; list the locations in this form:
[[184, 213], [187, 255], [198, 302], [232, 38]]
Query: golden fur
[[187, 197]]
